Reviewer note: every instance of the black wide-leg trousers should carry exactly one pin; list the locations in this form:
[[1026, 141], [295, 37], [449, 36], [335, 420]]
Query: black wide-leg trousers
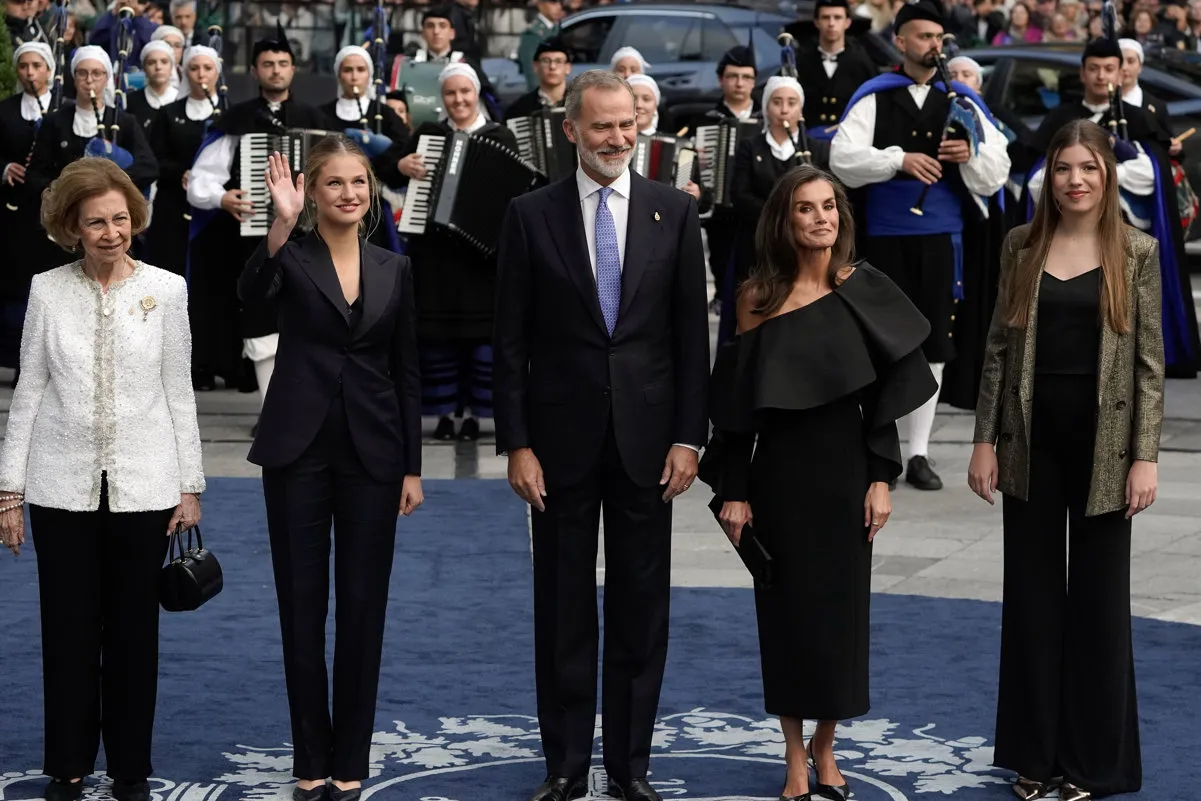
[[1067, 704], [636, 607], [98, 585], [329, 485]]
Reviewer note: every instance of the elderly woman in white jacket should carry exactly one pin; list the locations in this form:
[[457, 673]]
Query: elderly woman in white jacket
[[103, 446]]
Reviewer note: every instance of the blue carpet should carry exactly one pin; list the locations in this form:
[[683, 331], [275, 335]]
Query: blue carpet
[[457, 692]]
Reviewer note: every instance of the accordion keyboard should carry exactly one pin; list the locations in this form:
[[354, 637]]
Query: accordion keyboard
[[418, 199]]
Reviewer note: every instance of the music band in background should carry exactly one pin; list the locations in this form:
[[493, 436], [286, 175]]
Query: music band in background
[[905, 181]]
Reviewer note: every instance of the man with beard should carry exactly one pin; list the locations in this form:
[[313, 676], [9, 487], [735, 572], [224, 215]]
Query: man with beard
[[1147, 192], [602, 361], [891, 142], [222, 332]]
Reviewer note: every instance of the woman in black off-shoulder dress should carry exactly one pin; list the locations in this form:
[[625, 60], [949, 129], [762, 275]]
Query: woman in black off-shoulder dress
[[804, 404]]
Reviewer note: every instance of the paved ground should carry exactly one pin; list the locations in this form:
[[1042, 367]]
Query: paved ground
[[943, 544]]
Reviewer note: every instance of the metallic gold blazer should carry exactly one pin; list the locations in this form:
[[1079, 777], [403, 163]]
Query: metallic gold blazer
[[1129, 386]]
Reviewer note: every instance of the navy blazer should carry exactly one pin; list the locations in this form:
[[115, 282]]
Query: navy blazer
[[374, 364], [559, 379]]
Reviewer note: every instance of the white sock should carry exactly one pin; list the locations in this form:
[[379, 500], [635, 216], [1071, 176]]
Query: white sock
[[262, 372], [921, 419]]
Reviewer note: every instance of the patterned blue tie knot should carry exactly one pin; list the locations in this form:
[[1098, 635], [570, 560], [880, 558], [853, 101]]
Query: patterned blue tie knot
[[608, 261]]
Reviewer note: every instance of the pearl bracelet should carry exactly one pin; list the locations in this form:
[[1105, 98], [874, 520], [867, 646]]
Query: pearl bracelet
[[17, 505]]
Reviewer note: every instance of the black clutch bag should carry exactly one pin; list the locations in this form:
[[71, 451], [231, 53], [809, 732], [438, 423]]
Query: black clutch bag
[[751, 551], [191, 576]]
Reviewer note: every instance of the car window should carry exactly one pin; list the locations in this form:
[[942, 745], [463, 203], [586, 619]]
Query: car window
[[1036, 87], [717, 39], [1156, 86], [663, 40], [586, 38]]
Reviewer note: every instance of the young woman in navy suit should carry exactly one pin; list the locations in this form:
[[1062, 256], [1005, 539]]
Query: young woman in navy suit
[[340, 443]]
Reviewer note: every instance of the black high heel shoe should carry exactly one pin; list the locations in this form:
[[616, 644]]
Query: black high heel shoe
[[838, 792], [1029, 789]]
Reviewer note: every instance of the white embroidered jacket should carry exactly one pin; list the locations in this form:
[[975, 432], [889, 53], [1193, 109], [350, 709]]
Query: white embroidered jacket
[[106, 386]]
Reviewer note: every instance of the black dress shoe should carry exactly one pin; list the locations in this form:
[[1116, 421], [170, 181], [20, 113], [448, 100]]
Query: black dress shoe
[[336, 794], [63, 790], [636, 790], [470, 430], [559, 788], [131, 791], [445, 430], [203, 381], [919, 474], [317, 793]]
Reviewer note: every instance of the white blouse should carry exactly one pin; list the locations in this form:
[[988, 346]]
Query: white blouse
[[106, 387]]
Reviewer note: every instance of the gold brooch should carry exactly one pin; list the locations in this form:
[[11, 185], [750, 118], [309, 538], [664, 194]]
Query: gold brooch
[[148, 305]]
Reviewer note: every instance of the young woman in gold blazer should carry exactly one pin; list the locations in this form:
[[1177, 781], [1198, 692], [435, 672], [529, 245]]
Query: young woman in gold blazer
[[1071, 398]]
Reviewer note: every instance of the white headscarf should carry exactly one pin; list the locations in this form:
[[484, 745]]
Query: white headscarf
[[776, 83], [971, 63], [361, 52], [94, 53], [638, 79], [1131, 44], [42, 49], [465, 70], [163, 31], [628, 52], [158, 46], [200, 50]]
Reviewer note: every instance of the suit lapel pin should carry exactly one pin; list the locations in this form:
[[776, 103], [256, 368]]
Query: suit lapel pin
[[759, 158], [656, 216]]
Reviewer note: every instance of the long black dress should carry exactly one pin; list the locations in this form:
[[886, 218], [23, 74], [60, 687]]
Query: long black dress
[[822, 387], [175, 138]]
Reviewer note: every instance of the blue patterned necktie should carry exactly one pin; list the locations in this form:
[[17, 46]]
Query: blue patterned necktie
[[608, 261]]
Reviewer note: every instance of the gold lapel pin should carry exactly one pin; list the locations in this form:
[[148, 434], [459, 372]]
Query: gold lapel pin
[[656, 216]]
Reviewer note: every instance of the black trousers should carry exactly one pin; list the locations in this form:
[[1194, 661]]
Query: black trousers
[[1067, 704], [637, 599], [328, 484], [98, 584]]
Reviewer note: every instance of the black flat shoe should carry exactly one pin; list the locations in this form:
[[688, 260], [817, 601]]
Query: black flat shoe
[[336, 794], [317, 793], [470, 430], [560, 788], [132, 791], [445, 431], [63, 790], [203, 381], [919, 474], [1029, 789], [1073, 792], [636, 790]]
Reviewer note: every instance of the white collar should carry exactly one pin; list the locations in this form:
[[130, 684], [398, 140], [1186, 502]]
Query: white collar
[[479, 122], [545, 21], [826, 52], [782, 152], [349, 109], [651, 131], [34, 107], [586, 186], [1099, 108], [198, 110], [158, 101], [1135, 96]]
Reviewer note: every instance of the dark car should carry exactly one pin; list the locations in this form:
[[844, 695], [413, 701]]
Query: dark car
[[1031, 80], [681, 41]]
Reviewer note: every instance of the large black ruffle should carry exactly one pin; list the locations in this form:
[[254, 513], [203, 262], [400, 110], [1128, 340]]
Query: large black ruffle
[[863, 338]]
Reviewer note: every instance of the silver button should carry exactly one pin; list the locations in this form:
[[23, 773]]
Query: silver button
[[107, 311]]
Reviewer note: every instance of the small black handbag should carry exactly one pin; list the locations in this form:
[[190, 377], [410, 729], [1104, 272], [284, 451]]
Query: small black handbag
[[191, 576]]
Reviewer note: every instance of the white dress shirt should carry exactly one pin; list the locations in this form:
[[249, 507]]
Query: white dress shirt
[[830, 65], [106, 387], [214, 167], [856, 162], [1136, 176], [619, 207]]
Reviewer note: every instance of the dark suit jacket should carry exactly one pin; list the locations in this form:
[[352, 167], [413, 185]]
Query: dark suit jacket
[[375, 365], [558, 378]]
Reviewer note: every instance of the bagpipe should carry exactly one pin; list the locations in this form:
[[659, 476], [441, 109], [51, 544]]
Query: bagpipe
[[963, 122], [221, 104], [101, 146], [370, 134], [788, 69]]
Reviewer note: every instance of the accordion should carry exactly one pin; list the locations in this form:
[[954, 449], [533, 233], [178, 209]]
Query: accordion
[[666, 159], [469, 183], [716, 146], [542, 143], [253, 151]]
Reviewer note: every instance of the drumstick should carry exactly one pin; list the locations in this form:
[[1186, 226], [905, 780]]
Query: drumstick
[[1183, 136]]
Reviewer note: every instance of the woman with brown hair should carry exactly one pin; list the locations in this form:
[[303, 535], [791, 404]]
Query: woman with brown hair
[[1072, 398], [103, 445], [827, 358], [339, 442]]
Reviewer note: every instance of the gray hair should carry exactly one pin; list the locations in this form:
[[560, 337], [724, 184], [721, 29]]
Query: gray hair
[[176, 5], [592, 79]]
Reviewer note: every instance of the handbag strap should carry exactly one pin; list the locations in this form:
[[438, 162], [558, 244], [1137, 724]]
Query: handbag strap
[[199, 539]]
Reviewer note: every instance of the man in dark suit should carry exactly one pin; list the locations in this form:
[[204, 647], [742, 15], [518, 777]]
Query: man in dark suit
[[602, 359]]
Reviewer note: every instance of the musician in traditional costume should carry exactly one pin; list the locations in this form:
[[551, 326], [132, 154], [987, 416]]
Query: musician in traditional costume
[[26, 250], [1134, 94], [221, 330], [832, 69], [178, 41], [20, 18], [455, 285], [92, 126], [176, 137], [1148, 198], [646, 117], [737, 73], [552, 65], [892, 141], [436, 47], [158, 63], [356, 109], [545, 24], [106, 31]]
